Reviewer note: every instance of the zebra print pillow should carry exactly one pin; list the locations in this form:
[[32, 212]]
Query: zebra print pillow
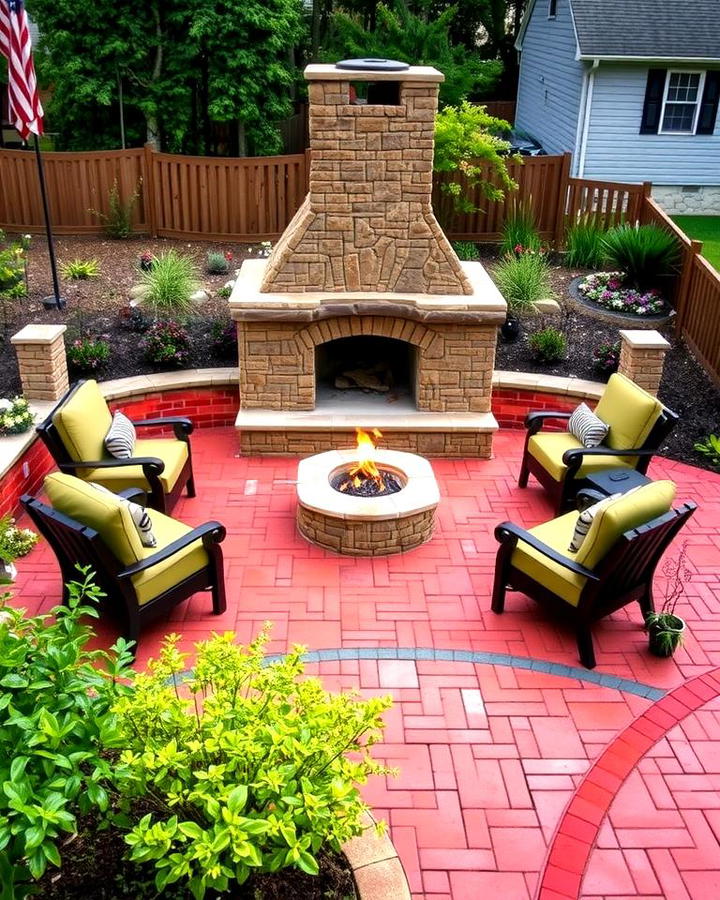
[[139, 515], [120, 439], [587, 427], [585, 520]]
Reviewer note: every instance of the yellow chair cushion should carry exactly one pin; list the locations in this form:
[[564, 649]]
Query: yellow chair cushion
[[548, 448], [172, 452], [627, 512], [629, 411], [101, 512], [83, 422], [166, 574], [557, 534]]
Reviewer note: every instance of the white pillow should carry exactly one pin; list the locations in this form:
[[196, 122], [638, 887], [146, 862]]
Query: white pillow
[[587, 427], [121, 437], [139, 515], [585, 520]]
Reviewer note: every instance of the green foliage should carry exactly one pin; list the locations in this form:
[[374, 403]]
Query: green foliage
[[522, 280], [217, 263], [87, 354], [584, 244], [548, 345], [709, 447], [606, 357], [248, 766], [117, 222], [520, 232], [642, 252], [400, 33], [13, 260], [55, 705], [224, 292], [665, 627], [167, 344], [15, 416], [466, 250], [80, 269], [467, 145], [224, 338], [170, 282], [15, 542]]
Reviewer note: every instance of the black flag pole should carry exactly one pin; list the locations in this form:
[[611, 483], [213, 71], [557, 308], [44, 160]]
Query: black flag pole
[[56, 299]]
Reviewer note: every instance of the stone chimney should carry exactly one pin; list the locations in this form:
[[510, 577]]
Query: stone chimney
[[367, 223]]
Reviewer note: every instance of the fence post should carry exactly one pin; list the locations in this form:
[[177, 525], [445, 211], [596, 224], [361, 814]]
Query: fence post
[[149, 188], [686, 273], [562, 199]]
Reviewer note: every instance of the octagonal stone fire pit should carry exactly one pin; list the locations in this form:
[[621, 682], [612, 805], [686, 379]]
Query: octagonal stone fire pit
[[366, 526]]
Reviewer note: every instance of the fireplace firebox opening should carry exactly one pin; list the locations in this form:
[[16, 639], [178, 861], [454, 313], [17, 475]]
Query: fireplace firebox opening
[[365, 369]]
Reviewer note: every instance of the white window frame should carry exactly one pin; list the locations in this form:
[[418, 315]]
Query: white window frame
[[698, 101], [552, 12]]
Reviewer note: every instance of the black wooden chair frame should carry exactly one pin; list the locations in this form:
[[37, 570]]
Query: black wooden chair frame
[[624, 576], [562, 493], [74, 543], [152, 466]]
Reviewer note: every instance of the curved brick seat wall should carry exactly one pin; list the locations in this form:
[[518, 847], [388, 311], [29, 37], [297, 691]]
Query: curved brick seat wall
[[215, 404]]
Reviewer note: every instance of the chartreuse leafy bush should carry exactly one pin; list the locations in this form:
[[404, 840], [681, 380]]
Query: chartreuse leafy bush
[[248, 767], [56, 699]]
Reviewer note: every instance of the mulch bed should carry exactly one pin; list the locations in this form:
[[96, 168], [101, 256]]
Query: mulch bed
[[94, 305]]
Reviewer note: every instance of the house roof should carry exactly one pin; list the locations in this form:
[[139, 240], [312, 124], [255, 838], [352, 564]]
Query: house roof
[[643, 29]]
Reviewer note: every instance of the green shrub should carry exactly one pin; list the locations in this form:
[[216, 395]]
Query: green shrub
[[55, 703], [170, 282], [584, 244], [522, 280], [224, 292], [167, 344], [87, 354], [15, 415], [217, 263], [606, 357], [641, 252], [520, 232], [247, 766], [548, 345], [117, 222], [80, 269], [709, 447], [224, 339], [466, 250]]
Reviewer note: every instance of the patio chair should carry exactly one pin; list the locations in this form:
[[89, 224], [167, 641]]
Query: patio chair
[[613, 567], [638, 422], [74, 433], [94, 528]]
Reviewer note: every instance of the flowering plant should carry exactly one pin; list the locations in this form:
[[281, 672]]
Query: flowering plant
[[167, 343], [520, 250], [15, 416], [87, 354], [606, 357], [607, 290], [14, 541]]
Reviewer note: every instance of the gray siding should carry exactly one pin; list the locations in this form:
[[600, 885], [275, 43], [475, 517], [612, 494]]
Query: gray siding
[[550, 79], [617, 152]]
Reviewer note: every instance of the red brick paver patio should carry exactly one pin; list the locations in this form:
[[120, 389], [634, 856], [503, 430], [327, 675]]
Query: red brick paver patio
[[515, 781]]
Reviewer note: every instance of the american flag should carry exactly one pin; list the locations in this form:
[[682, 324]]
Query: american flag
[[25, 110]]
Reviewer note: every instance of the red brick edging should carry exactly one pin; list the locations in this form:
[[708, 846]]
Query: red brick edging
[[574, 839]]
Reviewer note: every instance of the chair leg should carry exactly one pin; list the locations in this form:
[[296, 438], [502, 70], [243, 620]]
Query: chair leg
[[500, 583], [585, 646], [647, 605], [218, 595], [524, 472], [190, 486]]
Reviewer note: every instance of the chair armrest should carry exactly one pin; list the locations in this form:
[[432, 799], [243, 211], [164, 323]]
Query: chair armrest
[[181, 425], [587, 497], [209, 533], [154, 464], [534, 421], [509, 533], [569, 456], [134, 495]]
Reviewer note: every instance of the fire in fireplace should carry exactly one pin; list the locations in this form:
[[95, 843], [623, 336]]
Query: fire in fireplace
[[363, 477]]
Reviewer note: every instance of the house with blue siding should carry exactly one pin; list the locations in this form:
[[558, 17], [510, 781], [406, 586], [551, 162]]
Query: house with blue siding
[[631, 89]]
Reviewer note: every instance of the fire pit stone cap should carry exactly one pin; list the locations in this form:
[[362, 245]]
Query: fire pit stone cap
[[328, 72]]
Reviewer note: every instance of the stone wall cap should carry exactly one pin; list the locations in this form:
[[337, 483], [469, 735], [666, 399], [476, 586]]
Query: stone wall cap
[[644, 340], [38, 334], [328, 72]]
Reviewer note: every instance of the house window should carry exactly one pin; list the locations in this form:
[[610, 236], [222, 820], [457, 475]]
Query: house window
[[681, 102], [552, 9]]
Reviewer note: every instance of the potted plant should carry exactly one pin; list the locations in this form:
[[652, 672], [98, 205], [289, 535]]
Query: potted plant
[[146, 261], [665, 628]]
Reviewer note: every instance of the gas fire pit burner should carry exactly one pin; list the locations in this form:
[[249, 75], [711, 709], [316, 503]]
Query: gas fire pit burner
[[384, 483]]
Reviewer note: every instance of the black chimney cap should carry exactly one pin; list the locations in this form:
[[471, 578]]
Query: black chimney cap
[[373, 65]]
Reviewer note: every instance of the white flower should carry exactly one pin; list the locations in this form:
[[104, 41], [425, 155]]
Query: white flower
[[5, 404]]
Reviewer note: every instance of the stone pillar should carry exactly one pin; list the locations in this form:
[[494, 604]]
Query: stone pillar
[[41, 359], [642, 354]]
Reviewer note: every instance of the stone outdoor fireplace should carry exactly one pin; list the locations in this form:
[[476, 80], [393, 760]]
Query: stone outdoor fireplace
[[363, 314]]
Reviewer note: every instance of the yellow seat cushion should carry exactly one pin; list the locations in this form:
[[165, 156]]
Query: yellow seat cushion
[[101, 512], [83, 422], [557, 534], [548, 448], [627, 512], [172, 452], [630, 412], [166, 574]]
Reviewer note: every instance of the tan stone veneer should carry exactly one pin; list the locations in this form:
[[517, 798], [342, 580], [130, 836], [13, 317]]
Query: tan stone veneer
[[367, 223], [41, 359]]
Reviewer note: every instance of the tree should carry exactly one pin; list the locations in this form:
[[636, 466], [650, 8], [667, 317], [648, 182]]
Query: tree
[[184, 64], [404, 35]]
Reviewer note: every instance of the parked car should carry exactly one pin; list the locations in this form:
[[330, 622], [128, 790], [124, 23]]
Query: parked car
[[522, 143]]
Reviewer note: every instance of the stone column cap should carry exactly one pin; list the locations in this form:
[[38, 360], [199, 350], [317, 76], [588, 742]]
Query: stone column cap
[[38, 334], [644, 340], [327, 72]]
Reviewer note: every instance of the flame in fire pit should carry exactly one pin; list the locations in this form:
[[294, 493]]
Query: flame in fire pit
[[365, 468], [363, 477]]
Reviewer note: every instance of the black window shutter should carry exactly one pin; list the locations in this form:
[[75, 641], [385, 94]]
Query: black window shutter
[[709, 104], [653, 101]]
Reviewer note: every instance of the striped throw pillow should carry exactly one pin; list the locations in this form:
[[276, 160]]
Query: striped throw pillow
[[585, 520], [139, 515], [120, 439], [587, 427]]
